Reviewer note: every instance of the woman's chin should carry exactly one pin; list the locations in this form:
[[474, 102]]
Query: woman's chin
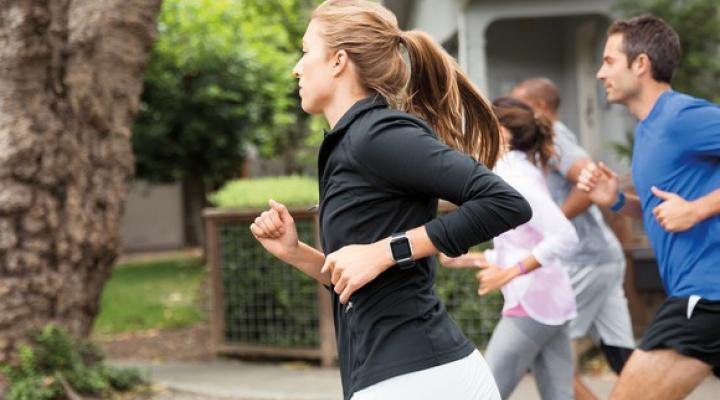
[[310, 108]]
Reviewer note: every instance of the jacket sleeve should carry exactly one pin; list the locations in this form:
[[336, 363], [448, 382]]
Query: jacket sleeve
[[408, 157], [558, 233]]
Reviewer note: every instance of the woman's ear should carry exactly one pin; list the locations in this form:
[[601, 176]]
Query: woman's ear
[[340, 59]]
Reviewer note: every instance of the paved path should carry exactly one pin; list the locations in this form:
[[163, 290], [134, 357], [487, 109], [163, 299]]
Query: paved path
[[237, 380]]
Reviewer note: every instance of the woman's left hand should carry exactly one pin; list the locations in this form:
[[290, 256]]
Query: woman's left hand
[[352, 267], [492, 277]]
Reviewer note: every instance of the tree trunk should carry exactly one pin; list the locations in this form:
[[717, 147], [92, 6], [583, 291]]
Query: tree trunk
[[70, 83], [194, 201]]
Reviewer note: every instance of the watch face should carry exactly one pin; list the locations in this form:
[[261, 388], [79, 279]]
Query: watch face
[[401, 249]]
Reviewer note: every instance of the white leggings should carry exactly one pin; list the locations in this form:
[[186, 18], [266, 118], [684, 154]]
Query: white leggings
[[466, 379]]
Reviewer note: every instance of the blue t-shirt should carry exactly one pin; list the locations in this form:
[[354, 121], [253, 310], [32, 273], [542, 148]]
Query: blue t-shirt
[[677, 149]]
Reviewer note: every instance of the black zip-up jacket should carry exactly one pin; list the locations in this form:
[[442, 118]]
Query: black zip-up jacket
[[381, 172]]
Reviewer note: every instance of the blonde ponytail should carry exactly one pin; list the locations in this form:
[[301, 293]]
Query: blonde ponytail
[[440, 93]]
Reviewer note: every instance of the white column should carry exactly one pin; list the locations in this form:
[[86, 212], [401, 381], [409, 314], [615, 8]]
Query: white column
[[472, 43], [588, 110]]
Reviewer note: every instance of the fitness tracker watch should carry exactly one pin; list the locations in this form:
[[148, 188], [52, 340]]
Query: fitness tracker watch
[[401, 250]]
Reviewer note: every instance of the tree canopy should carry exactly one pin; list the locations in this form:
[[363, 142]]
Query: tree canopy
[[219, 77]]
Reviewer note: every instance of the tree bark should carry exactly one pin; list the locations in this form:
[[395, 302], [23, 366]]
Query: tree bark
[[70, 82]]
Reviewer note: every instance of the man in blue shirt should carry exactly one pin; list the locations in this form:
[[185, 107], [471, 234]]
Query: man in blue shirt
[[676, 172]]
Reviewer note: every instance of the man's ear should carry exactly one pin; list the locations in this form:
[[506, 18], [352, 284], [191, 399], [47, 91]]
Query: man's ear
[[340, 59], [642, 65], [541, 106]]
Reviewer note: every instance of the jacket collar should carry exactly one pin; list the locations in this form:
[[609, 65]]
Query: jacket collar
[[335, 135], [368, 103]]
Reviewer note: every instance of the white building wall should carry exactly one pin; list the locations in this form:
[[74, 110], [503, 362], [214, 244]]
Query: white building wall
[[519, 49], [438, 18]]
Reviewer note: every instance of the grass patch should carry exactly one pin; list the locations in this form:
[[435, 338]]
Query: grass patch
[[255, 193], [159, 294]]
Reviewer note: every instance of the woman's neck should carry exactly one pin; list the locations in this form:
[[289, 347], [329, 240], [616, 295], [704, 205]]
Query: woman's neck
[[342, 103]]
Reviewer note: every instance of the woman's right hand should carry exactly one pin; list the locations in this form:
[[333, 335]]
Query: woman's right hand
[[275, 230]]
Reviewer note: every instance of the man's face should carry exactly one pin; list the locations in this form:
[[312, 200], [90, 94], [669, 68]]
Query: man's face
[[621, 81]]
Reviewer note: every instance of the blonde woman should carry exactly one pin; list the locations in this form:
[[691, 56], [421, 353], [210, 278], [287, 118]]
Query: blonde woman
[[401, 137]]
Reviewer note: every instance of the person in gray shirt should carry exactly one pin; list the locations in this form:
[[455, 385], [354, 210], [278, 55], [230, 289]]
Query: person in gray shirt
[[597, 265]]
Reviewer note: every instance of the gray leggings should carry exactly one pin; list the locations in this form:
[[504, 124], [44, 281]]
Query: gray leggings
[[518, 344]]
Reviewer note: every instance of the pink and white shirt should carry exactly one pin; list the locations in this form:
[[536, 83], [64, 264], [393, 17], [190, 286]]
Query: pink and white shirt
[[544, 294]]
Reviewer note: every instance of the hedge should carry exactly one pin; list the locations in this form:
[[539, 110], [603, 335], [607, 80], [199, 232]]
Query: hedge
[[247, 194]]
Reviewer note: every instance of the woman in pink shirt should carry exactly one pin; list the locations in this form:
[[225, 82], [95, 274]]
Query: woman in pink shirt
[[525, 265]]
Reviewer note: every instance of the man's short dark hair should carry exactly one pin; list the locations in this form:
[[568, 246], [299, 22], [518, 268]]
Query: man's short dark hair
[[653, 37]]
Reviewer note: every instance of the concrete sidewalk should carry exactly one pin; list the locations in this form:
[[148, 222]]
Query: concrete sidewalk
[[239, 380]]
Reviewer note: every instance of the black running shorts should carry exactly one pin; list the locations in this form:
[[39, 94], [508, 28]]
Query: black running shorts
[[697, 337]]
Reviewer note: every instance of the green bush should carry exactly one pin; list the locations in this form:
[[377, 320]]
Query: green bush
[[255, 193], [55, 363]]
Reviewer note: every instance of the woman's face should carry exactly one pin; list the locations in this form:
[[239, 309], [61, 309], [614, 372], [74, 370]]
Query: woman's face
[[314, 70]]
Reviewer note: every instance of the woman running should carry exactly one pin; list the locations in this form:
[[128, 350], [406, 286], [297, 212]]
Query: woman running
[[401, 137]]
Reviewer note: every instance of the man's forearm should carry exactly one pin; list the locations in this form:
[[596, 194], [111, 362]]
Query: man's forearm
[[708, 206], [577, 201], [575, 204]]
